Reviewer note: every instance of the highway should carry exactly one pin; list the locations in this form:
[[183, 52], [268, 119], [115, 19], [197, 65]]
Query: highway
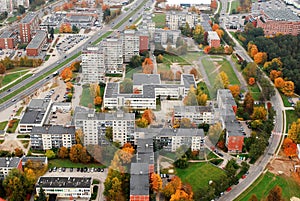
[[42, 72], [258, 168]]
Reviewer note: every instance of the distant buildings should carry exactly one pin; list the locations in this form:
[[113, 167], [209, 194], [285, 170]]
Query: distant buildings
[[35, 46], [49, 137], [80, 21], [175, 20], [8, 40], [10, 5], [164, 37], [213, 39], [28, 26], [9, 163], [65, 187], [281, 21], [196, 114]]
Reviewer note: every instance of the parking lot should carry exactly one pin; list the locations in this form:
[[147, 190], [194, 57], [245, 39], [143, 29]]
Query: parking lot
[[273, 4], [69, 42]]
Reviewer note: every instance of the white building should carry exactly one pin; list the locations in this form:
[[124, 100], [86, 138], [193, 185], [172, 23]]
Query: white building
[[177, 19], [197, 114], [131, 44], [35, 115], [7, 164], [94, 126], [10, 5], [93, 67], [66, 187], [166, 36], [113, 55], [150, 88]]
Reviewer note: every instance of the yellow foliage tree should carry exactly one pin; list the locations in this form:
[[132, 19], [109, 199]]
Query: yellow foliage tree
[[294, 132], [260, 58], [259, 113], [279, 82], [288, 88]]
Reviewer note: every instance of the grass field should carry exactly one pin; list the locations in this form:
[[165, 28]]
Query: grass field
[[255, 91], [266, 182], [159, 19], [3, 125], [67, 164], [199, 174], [19, 111], [285, 101], [291, 116], [234, 5], [11, 19], [14, 127], [11, 77], [86, 98]]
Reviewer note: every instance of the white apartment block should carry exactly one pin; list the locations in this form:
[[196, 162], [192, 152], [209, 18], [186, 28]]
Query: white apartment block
[[147, 24], [66, 187], [131, 44], [93, 66], [113, 55], [94, 126], [175, 20], [197, 114], [150, 88], [7, 164], [166, 36]]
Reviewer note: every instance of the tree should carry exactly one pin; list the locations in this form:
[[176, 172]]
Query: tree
[[259, 113], [126, 86], [147, 66], [66, 73], [275, 194], [297, 108], [257, 148], [172, 186], [220, 33], [135, 61], [275, 74], [42, 195], [294, 132], [260, 58], [248, 103], [15, 185], [98, 100], [18, 152], [251, 81], [78, 153], [215, 27], [288, 88], [159, 58], [250, 70], [215, 132], [279, 82], [126, 153], [149, 116], [202, 99], [213, 4], [290, 148], [185, 123], [2, 68], [142, 123], [198, 34], [156, 182], [222, 81], [21, 9], [235, 90], [50, 154], [207, 49], [180, 195], [79, 136], [252, 50], [63, 152], [194, 72], [190, 99]]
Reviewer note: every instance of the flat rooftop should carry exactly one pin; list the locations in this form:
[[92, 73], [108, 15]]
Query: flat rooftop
[[141, 79], [28, 18], [192, 109], [9, 162], [54, 129], [37, 40], [65, 182], [213, 35], [80, 18], [139, 179], [281, 15], [6, 34]]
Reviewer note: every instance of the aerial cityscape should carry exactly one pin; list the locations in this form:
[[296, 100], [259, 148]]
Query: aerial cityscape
[[149, 100]]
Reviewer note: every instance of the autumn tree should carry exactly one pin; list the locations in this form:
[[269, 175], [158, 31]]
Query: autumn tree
[[147, 66], [66, 73], [142, 123], [294, 132], [279, 82], [185, 123], [126, 153], [190, 99], [297, 108], [250, 70], [79, 136], [222, 81], [181, 195], [98, 100], [65, 28], [18, 152], [289, 147], [275, 64], [156, 182], [275, 194], [202, 99], [63, 152], [213, 4], [259, 113], [2, 68], [235, 90], [288, 88], [252, 49], [149, 116], [275, 74], [260, 58], [78, 153], [194, 72], [215, 27], [198, 34], [16, 185], [50, 154], [159, 58], [172, 186], [207, 49], [94, 89], [175, 190], [220, 33], [248, 103], [251, 81]]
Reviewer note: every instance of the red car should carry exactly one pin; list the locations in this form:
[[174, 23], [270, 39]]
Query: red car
[[228, 189]]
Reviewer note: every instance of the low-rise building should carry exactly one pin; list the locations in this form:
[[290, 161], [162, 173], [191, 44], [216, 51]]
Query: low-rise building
[[9, 163], [213, 39], [81, 21], [66, 187], [38, 159], [35, 46], [8, 40], [139, 182], [35, 115], [49, 137], [196, 114]]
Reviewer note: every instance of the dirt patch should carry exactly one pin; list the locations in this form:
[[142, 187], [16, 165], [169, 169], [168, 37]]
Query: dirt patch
[[11, 145]]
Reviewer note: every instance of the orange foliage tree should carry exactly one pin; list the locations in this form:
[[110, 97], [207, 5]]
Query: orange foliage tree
[[194, 72], [252, 49], [66, 73], [288, 88], [97, 100], [206, 49], [275, 74], [215, 27], [147, 66], [290, 148], [156, 182], [251, 81], [65, 28], [213, 4], [149, 116], [279, 82], [260, 58], [235, 90], [220, 33], [136, 91]]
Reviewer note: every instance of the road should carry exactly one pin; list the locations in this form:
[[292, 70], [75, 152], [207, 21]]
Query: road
[[42, 72], [258, 168]]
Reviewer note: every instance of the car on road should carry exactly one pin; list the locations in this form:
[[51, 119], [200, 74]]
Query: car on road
[[13, 100], [8, 90]]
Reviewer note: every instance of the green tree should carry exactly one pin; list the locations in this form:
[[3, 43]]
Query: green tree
[[109, 133], [50, 154], [16, 185], [42, 195], [21, 9], [126, 86], [135, 61], [297, 108], [198, 34], [257, 148]]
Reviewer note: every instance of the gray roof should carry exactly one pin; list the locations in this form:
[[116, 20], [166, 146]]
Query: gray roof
[[233, 128], [65, 182], [37, 40], [80, 18], [54, 129], [35, 159], [226, 97], [9, 162], [91, 114], [2, 132], [39, 104], [141, 78], [281, 15], [213, 35], [35, 111], [6, 34], [142, 157], [169, 132], [194, 109], [28, 18], [188, 80], [144, 145], [139, 179]]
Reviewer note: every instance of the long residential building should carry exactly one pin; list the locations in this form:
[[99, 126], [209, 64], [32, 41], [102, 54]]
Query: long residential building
[[35, 46], [49, 137], [131, 44], [196, 114], [28, 26], [113, 55], [177, 19], [150, 88], [95, 124]]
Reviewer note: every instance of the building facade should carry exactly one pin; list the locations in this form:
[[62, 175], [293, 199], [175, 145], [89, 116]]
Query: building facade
[[35, 46], [28, 26], [131, 44], [8, 40], [175, 20], [113, 55], [196, 114]]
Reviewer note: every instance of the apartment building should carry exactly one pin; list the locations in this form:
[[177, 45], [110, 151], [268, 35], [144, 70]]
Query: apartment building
[[177, 19], [35, 46], [149, 91], [49, 137], [35, 115], [93, 67], [147, 24], [113, 55], [144, 151], [8, 40], [196, 114], [234, 132], [28, 26], [204, 22], [139, 182], [164, 37], [282, 21], [95, 124], [10, 5], [7, 164], [213, 39], [131, 44], [66, 187]]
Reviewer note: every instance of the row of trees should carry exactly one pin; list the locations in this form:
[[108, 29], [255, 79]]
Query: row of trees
[[7, 63]]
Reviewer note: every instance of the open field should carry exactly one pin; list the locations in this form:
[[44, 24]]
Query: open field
[[159, 19], [199, 174], [86, 98], [11, 77], [266, 182]]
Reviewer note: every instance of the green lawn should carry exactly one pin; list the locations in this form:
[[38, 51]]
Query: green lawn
[[234, 5], [16, 82], [266, 182], [14, 127], [11, 19], [3, 125], [167, 154], [199, 174], [129, 73], [11, 77], [67, 164], [86, 98], [291, 117], [159, 19], [285, 100], [255, 91], [191, 56], [19, 111]]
